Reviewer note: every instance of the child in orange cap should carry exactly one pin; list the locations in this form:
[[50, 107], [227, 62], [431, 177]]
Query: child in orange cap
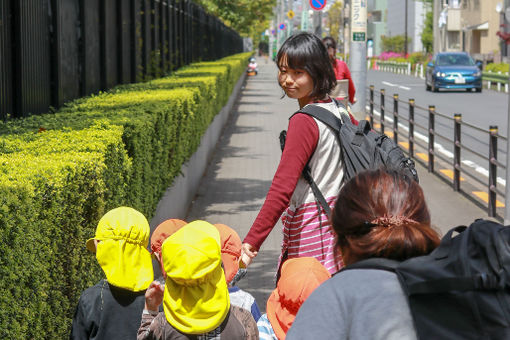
[[299, 278], [160, 234], [230, 254]]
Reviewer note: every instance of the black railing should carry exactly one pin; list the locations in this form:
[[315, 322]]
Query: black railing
[[52, 51], [424, 120]]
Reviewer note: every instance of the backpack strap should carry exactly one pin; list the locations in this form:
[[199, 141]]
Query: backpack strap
[[325, 116], [374, 263], [322, 114]]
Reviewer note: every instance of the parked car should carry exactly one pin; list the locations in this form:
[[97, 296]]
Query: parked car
[[453, 70]]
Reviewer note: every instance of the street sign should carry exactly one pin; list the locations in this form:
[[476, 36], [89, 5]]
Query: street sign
[[358, 36], [317, 4], [281, 26], [290, 14]]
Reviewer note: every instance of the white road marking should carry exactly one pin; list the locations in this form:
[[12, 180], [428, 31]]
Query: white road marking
[[439, 148], [396, 85], [389, 84]]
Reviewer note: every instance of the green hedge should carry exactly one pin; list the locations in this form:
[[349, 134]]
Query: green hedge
[[497, 67], [60, 172]]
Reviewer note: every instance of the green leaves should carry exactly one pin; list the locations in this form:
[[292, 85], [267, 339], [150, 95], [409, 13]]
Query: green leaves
[[60, 172]]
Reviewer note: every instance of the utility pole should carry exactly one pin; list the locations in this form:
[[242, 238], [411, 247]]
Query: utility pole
[[435, 29], [507, 177], [358, 56], [405, 34], [347, 29]]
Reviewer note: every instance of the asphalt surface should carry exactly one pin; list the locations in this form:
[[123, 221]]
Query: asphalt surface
[[233, 188]]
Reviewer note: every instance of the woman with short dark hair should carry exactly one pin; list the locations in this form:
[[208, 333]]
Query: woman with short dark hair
[[340, 67], [305, 74], [379, 213]]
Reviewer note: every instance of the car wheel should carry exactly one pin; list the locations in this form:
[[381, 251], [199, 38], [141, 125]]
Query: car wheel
[[479, 89], [434, 88], [427, 86]]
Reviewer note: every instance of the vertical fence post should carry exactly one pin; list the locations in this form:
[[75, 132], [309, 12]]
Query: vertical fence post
[[432, 111], [395, 118], [382, 110], [457, 120], [493, 156], [411, 128], [371, 105]]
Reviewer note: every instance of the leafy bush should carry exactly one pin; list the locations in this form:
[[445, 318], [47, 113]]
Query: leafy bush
[[497, 67], [60, 172]]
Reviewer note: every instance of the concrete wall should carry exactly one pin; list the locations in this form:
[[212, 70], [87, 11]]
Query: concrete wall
[[178, 197]]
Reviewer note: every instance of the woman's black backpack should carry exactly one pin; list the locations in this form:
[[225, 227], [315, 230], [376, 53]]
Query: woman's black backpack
[[361, 148], [461, 290]]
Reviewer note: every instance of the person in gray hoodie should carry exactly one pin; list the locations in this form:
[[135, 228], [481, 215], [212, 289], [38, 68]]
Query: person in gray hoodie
[[379, 213]]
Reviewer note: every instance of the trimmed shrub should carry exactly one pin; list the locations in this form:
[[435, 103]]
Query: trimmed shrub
[[60, 172]]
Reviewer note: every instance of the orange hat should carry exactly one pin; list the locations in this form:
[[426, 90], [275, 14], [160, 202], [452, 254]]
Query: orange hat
[[230, 250], [162, 231], [300, 276]]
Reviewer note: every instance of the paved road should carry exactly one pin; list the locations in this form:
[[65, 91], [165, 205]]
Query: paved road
[[478, 109], [240, 173]]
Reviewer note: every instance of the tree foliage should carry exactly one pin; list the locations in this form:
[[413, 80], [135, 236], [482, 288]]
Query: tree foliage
[[427, 36], [335, 20], [394, 44], [247, 17]]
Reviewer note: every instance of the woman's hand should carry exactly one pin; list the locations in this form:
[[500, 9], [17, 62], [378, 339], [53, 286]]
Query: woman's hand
[[248, 253], [154, 296]]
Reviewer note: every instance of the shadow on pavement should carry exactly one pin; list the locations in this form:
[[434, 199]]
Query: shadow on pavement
[[259, 281]]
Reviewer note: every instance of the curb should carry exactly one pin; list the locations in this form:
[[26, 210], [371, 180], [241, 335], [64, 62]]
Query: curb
[[177, 198]]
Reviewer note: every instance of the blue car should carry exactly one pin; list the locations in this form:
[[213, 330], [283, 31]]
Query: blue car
[[453, 70]]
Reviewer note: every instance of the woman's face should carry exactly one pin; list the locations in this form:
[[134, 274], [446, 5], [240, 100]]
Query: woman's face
[[296, 83], [331, 53]]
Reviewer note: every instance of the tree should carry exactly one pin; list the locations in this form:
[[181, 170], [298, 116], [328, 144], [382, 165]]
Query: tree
[[427, 36], [394, 44], [335, 20], [249, 18]]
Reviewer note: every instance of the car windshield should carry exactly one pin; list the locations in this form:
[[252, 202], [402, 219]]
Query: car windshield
[[454, 59]]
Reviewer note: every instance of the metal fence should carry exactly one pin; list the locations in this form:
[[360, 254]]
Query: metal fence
[[52, 51], [423, 133]]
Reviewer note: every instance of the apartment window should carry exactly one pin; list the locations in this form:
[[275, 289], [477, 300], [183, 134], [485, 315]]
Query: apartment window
[[375, 16]]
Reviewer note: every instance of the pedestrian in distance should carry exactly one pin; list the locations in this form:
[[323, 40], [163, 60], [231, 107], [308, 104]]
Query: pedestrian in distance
[[340, 67], [305, 73], [379, 214], [196, 303], [300, 277], [111, 309]]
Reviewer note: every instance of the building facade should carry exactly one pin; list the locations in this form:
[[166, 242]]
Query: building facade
[[388, 18], [471, 26]]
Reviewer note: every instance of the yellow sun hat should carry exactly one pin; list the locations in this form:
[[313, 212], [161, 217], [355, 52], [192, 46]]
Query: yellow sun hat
[[122, 251], [196, 296]]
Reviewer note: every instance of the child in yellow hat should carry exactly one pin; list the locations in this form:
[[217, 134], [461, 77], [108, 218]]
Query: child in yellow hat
[[195, 296], [111, 309]]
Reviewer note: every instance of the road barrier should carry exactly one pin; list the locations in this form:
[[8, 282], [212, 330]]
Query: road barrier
[[497, 78], [422, 135]]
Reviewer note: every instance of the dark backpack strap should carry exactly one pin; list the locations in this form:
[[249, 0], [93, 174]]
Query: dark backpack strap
[[322, 114], [374, 263], [325, 116], [316, 191]]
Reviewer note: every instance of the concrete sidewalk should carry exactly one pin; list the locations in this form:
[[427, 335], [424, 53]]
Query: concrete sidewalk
[[234, 187]]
